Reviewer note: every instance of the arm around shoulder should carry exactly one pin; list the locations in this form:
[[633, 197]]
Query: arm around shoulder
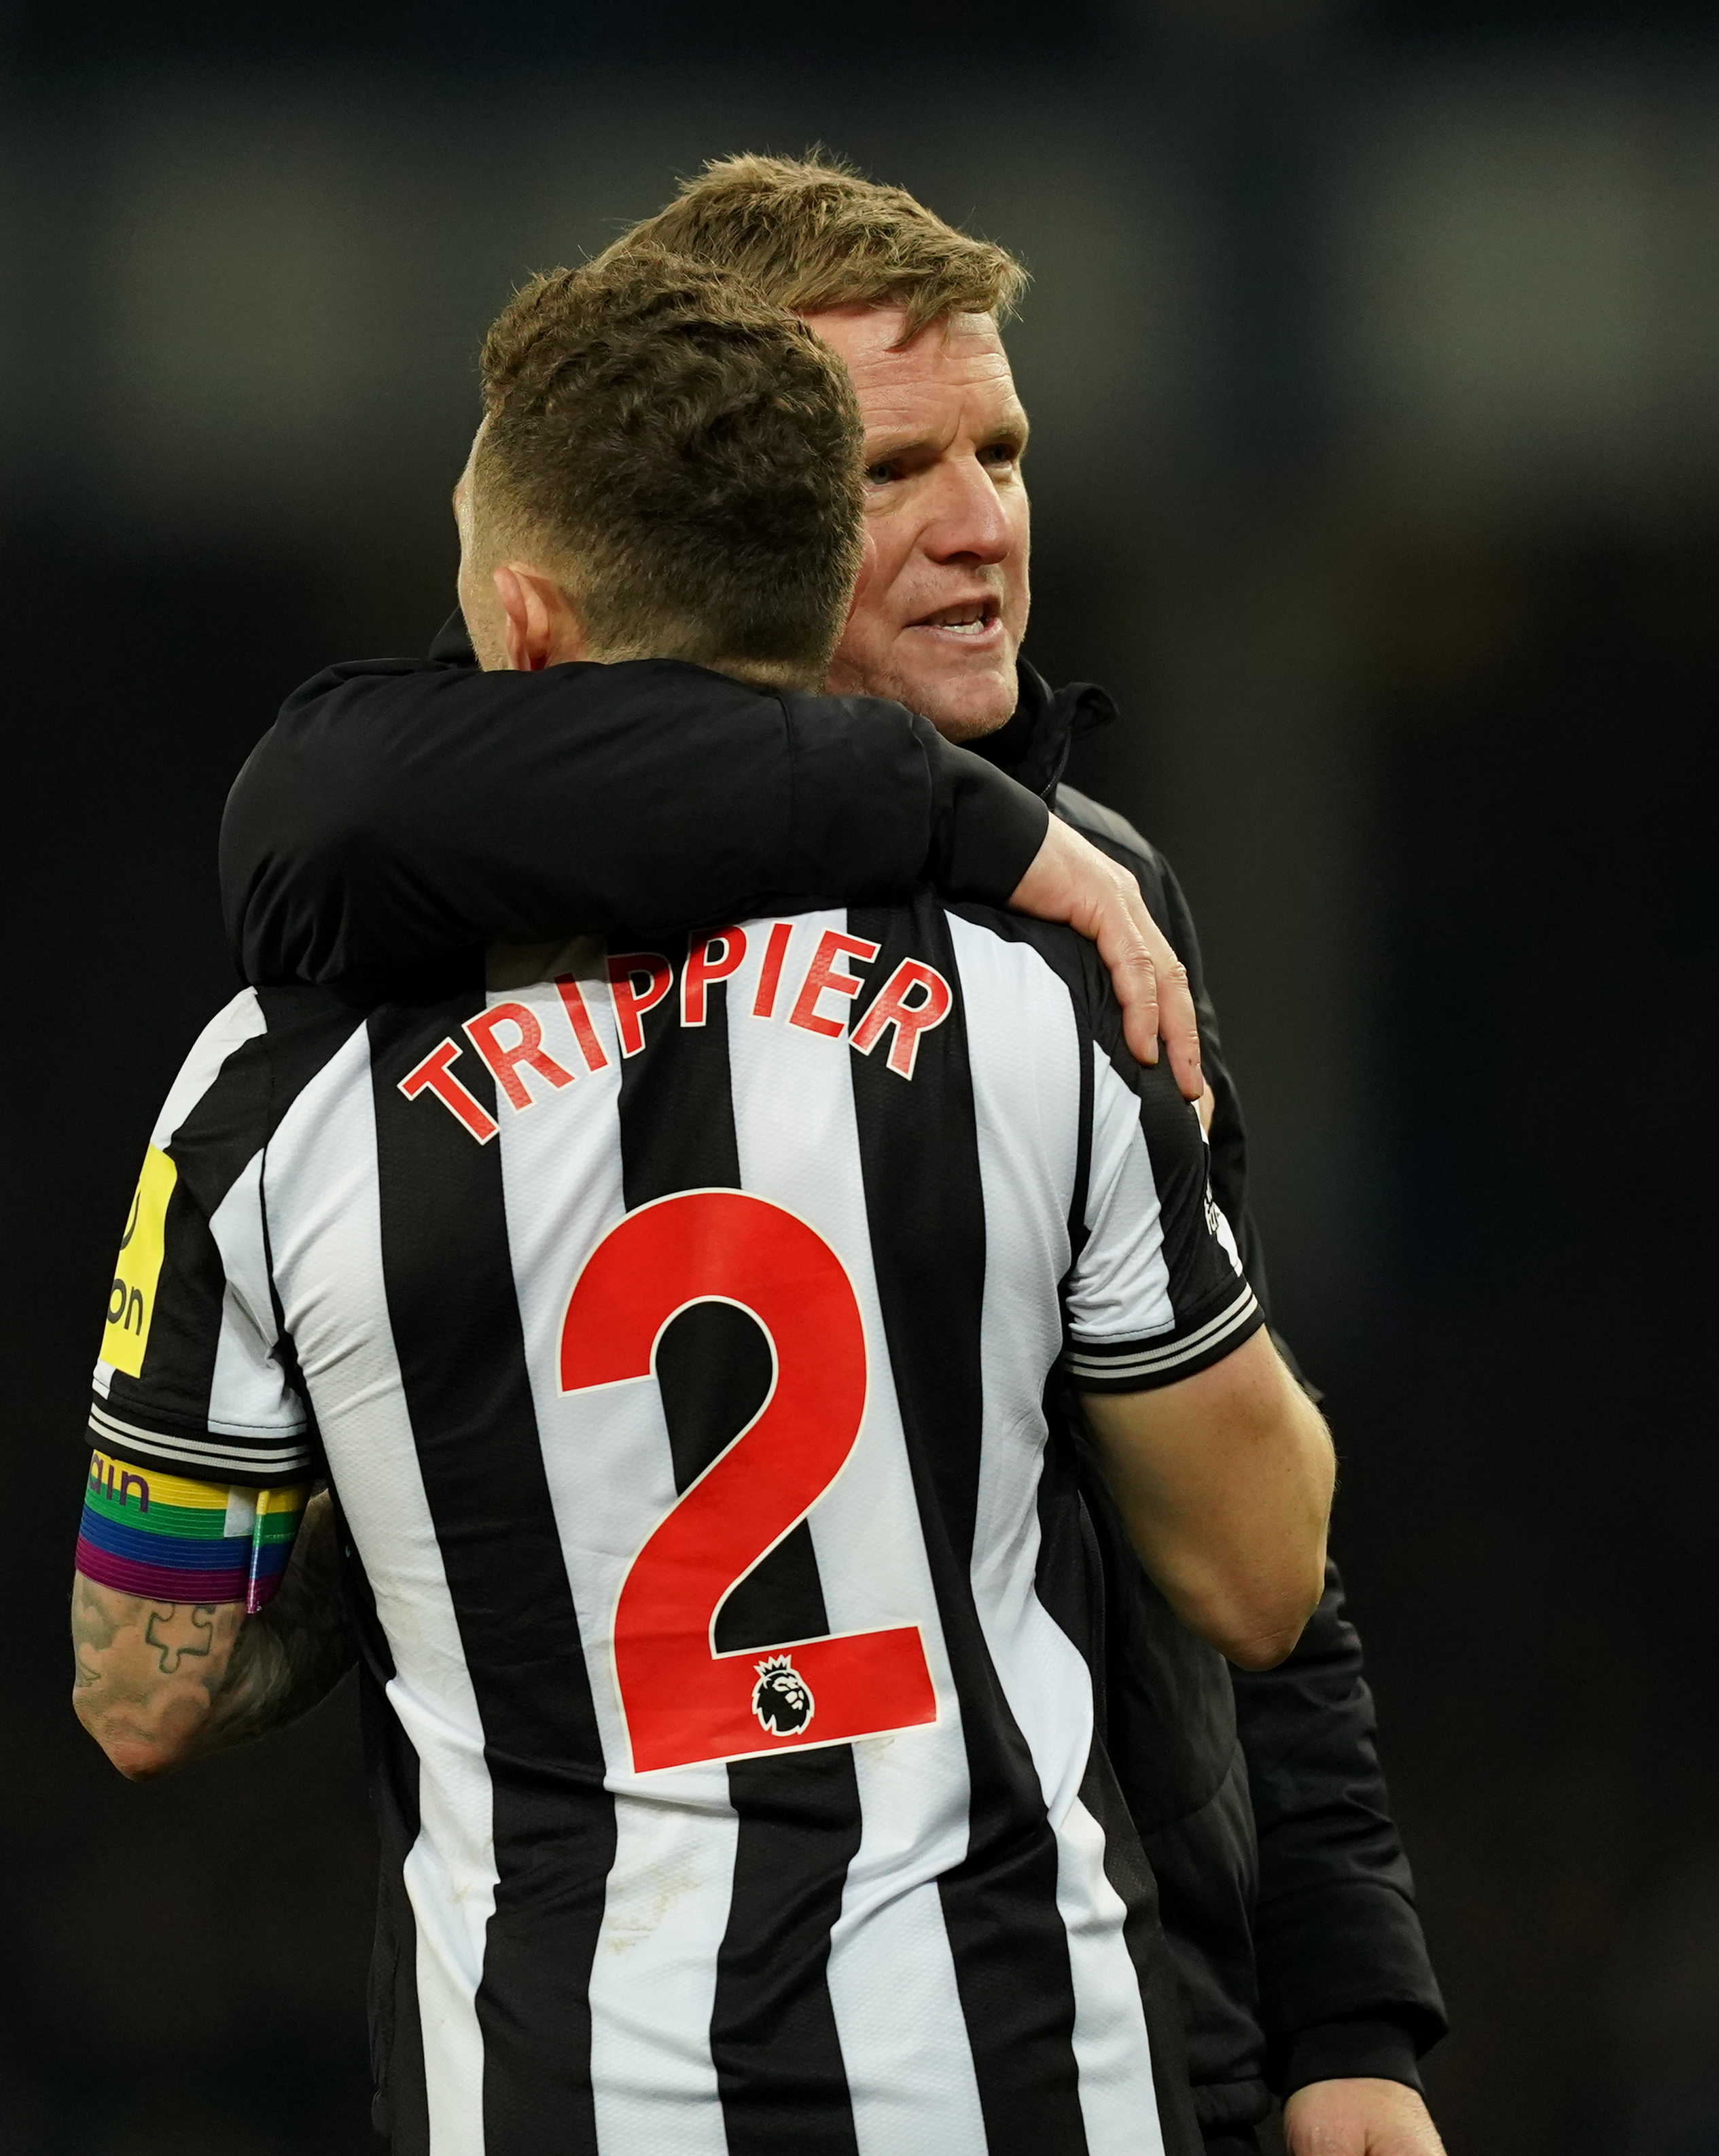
[[398, 813]]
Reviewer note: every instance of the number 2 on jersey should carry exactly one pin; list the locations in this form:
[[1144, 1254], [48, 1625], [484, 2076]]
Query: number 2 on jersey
[[683, 1701]]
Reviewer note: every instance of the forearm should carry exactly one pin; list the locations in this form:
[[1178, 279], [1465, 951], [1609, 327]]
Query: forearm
[[158, 1684], [1224, 1483], [397, 814], [1242, 1569], [1282, 1513]]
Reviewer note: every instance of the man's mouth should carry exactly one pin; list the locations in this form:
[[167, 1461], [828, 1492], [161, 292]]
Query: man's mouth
[[975, 619]]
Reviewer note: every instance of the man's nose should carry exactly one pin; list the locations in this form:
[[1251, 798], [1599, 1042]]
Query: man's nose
[[968, 521]]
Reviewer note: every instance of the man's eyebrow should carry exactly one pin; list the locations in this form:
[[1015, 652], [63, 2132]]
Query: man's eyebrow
[[895, 442], [900, 441]]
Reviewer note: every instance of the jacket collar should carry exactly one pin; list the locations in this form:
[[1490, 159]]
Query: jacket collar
[[1033, 746]]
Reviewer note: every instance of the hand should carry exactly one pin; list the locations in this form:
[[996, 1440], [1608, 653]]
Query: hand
[[1070, 880], [1359, 2117]]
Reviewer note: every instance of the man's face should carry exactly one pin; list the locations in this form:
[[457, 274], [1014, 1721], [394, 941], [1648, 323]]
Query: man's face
[[940, 616]]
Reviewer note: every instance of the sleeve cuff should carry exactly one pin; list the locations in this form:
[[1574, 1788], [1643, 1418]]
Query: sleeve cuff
[[986, 829], [1164, 1358], [249, 1459], [1360, 2049]]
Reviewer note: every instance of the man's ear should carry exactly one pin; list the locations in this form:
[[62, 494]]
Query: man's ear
[[539, 627]]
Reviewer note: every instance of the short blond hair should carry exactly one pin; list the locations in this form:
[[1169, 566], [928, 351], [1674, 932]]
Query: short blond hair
[[688, 453], [811, 234]]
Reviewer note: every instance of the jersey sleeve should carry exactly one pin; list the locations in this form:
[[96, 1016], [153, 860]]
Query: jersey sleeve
[[194, 1380], [1156, 1292]]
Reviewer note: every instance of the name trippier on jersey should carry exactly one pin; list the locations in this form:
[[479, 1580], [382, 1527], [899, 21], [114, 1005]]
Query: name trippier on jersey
[[509, 1037]]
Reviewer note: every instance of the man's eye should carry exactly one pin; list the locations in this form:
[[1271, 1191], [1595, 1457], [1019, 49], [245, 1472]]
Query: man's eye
[[999, 453], [881, 474]]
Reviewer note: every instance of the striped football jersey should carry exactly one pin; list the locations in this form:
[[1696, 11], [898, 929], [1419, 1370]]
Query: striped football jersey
[[675, 1326]]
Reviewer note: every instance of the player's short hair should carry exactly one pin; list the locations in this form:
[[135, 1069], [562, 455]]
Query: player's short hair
[[682, 454], [810, 233]]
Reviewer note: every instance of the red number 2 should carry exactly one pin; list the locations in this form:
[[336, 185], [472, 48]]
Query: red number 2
[[683, 1701]]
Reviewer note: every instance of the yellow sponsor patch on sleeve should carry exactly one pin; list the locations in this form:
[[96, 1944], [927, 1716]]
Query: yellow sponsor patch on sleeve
[[131, 1304]]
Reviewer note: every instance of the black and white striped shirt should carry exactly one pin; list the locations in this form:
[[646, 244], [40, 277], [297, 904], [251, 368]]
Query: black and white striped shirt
[[676, 1327]]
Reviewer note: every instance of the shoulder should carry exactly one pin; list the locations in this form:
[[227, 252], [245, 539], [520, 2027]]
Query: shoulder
[[1098, 822], [1165, 899], [226, 1057], [312, 698], [1013, 965], [993, 930], [229, 1088], [1113, 834]]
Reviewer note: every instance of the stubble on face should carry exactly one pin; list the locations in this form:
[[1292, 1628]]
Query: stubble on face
[[938, 621]]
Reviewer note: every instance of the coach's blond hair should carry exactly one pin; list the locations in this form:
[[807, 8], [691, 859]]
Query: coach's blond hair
[[811, 234]]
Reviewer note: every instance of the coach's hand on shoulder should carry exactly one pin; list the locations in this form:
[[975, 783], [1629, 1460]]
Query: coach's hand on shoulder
[[1224, 1483], [1070, 880], [1360, 2117]]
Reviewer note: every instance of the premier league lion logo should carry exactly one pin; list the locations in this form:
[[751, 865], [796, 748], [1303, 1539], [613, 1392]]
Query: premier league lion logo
[[781, 1699]]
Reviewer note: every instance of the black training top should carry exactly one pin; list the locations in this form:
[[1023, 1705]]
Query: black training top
[[399, 810]]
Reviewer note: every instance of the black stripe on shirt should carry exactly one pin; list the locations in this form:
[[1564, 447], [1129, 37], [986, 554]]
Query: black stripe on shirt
[[458, 1337], [1214, 1308], [1202, 1274], [773, 2034], [400, 2107], [160, 1418], [1130, 1872], [219, 1136], [919, 1154], [1077, 965]]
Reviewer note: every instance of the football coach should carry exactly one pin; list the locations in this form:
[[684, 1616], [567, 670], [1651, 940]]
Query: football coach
[[399, 811]]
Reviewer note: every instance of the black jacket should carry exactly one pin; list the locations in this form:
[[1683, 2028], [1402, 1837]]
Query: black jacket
[[1283, 1886], [402, 811]]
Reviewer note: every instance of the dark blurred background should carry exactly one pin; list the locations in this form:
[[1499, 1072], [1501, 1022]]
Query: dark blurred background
[[1371, 354]]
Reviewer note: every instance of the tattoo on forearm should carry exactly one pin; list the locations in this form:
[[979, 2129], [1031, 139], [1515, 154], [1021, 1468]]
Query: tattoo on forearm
[[158, 1683], [91, 1623], [177, 1629]]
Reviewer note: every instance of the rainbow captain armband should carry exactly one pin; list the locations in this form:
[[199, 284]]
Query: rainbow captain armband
[[164, 1539]]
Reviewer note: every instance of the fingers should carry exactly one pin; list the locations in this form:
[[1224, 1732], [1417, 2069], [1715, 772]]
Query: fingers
[[1181, 1029], [1151, 984], [1107, 908], [1174, 1020], [1070, 880], [1133, 976]]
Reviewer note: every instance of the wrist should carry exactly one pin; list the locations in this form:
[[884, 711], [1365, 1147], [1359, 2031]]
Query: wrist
[[1360, 2048], [986, 829]]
